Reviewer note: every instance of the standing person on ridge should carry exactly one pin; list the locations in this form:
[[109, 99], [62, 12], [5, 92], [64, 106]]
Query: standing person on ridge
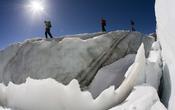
[[103, 24], [132, 25], [47, 29]]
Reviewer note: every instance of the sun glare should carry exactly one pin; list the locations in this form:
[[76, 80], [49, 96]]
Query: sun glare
[[36, 7]]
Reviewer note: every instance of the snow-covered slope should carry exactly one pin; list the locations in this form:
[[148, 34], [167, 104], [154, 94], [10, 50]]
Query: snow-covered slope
[[49, 94], [102, 60], [65, 59], [165, 29]]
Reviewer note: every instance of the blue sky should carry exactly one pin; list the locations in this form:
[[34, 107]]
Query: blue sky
[[72, 17]]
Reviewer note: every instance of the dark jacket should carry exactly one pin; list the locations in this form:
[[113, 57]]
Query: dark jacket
[[103, 22], [48, 24]]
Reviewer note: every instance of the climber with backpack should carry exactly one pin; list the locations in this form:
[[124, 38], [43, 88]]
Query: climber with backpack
[[47, 29], [132, 23], [103, 24]]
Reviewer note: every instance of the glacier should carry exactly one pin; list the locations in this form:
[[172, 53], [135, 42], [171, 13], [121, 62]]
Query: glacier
[[67, 58], [118, 70], [165, 30], [137, 67], [48, 94], [109, 75], [148, 101]]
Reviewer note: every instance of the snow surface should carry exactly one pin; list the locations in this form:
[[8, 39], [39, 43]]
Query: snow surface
[[85, 35], [165, 17], [63, 59], [142, 98], [1, 108], [49, 94]]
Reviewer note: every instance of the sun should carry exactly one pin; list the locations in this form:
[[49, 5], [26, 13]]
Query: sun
[[36, 7]]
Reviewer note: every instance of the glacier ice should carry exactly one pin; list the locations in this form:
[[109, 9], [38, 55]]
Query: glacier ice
[[62, 59], [142, 97], [153, 68], [165, 17], [112, 74], [48, 94]]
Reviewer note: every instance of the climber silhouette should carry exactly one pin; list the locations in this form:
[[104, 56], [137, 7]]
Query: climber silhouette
[[103, 24], [132, 23], [47, 29]]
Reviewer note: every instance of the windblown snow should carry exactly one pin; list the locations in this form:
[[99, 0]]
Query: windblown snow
[[112, 66]]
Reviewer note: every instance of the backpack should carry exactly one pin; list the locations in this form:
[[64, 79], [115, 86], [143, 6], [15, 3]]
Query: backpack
[[103, 22], [49, 24], [132, 22]]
